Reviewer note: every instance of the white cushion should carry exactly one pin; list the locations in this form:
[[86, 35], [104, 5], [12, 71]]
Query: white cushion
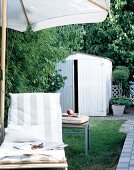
[[34, 116], [9, 154], [24, 134]]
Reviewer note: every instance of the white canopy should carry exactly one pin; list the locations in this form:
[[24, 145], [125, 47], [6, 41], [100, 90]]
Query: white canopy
[[42, 14]]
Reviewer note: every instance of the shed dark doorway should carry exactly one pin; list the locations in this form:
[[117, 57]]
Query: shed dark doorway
[[76, 86]]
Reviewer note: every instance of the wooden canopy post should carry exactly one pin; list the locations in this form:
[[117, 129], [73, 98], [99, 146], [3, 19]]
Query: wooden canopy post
[[98, 4], [3, 52]]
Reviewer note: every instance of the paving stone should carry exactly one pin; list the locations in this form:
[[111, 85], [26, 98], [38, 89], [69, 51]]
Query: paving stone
[[122, 169], [124, 159], [123, 165], [131, 168], [127, 146], [133, 152], [130, 135], [129, 138], [128, 154], [128, 143], [132, 162], [132, 156], [127, 150]]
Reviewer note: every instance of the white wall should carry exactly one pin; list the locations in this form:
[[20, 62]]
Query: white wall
[[91, 88], [94, 84], [108, 74], [67, 92]]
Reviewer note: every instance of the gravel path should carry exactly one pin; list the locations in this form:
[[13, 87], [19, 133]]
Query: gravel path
[[128, 126]]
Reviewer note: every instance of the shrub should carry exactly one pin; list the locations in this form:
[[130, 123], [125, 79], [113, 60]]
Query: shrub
[[120, 75], [121, 101]]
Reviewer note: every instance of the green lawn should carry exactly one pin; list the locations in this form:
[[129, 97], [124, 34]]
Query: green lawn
[[105, 146]]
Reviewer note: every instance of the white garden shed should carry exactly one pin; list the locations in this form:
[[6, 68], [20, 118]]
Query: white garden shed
[[88, 85]]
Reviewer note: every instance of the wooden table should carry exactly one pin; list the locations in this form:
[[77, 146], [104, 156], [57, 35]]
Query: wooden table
[[85, 130]]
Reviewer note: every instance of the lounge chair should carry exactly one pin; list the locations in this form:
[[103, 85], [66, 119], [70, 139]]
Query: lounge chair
[[33, 138]]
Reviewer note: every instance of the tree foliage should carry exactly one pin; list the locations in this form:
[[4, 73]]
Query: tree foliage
[[31, 58], [114, 37], [120, 75]]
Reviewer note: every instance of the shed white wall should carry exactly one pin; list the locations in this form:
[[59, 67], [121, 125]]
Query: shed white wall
[[94, 84], [67, 92], [108, 75], [91, 88]]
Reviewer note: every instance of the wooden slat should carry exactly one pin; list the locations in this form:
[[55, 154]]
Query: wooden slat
[[30, 165]]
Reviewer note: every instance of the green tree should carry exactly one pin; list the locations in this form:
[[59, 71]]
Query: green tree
[[32, 56], [114, 37]]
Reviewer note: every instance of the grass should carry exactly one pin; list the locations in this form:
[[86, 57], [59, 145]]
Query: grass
[[105, 146]]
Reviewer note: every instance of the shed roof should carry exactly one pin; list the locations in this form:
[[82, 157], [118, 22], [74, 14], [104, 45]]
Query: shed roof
[[82, 56]]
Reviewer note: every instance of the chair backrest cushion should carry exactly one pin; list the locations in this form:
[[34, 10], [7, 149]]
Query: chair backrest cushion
[[36, 115]]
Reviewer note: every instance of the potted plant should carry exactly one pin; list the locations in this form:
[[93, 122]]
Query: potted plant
[[118, 105]]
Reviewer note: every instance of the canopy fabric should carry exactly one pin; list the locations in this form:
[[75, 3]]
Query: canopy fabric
[[41, 14]]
